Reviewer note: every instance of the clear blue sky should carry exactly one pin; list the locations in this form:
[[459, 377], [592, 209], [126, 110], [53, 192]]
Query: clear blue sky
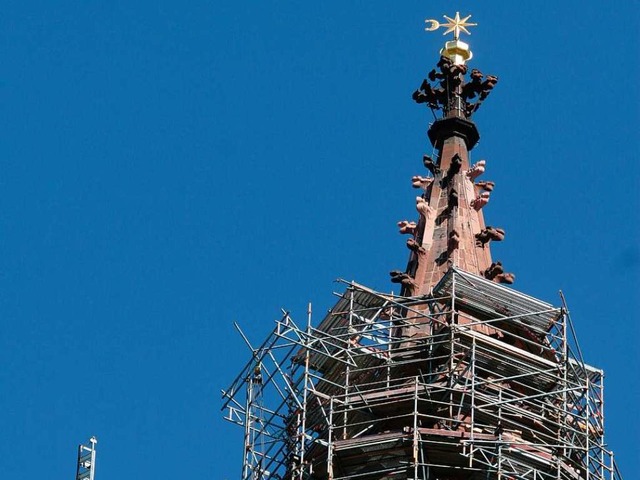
[[168, 167]]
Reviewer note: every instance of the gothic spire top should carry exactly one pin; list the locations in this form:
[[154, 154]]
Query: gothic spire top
[[457, 50]]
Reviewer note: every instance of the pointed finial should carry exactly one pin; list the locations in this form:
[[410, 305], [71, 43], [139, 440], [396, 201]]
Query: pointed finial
[[455, 25], [455, 49]]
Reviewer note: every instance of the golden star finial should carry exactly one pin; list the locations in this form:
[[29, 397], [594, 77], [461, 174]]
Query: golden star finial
[[455, 25]]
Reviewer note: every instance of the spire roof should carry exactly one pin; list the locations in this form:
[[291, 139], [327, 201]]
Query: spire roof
[[450, 230]]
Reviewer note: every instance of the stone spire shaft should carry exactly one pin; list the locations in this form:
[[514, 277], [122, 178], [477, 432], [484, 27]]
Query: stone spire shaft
[[448, 221]]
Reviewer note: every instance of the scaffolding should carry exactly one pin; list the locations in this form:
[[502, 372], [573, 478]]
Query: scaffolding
[[86, 467], [473, 381]]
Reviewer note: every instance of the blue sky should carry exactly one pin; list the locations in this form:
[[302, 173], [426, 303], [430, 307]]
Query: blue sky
[[167, 168]]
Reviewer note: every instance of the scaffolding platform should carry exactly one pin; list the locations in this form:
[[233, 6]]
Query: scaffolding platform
[[473, 381]]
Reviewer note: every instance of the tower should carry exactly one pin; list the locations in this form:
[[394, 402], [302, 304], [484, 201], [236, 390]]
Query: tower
[[458, 377]]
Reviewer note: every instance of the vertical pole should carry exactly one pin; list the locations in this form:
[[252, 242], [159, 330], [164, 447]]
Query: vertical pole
[[306, 386], [330, 443], [79, 465], [613, 467], [416, 446], [389, 340], [587, 426], [473, 400], [453, 293], [562, 431], [345, 415], [452, 345], [600, 413], [500, 435], [246, 467], [93, 442]]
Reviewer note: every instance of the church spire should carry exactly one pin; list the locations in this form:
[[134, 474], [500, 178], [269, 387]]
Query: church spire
[[451, 231]]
